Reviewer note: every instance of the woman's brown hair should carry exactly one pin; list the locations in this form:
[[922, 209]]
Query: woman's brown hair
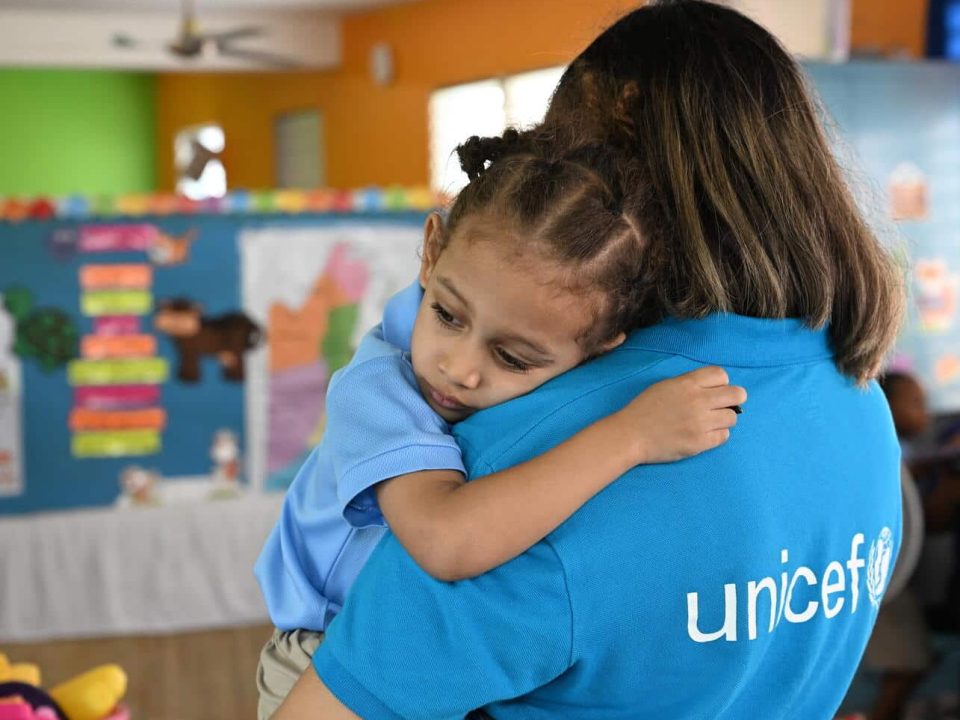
[[745, 208]]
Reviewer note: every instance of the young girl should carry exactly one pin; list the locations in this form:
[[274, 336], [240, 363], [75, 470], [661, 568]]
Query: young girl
[[535, 270]]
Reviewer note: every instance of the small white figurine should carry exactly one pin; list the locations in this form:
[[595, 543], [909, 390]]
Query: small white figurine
[[139, 487], [225, 453]]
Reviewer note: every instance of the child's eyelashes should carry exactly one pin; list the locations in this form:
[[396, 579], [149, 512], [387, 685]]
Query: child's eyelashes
[[512, 362], [443, 316], [509, 361]]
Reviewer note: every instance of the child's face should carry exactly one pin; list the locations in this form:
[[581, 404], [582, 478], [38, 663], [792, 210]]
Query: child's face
[[490, 326]]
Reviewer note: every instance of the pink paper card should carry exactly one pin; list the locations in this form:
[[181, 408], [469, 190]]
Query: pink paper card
[[116, 397], [116, 325], [116, 238]]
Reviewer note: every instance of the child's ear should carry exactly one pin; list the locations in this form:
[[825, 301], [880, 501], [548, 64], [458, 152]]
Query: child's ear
[[432, 245], [614, 342]]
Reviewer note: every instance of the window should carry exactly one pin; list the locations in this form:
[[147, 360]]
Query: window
[[482, 108], [196, 154], [299, 150]]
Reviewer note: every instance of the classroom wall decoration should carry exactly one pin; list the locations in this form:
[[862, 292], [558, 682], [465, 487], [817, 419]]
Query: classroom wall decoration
[[314, 291], [153, 347], [116, 380], [180, 357], [11, 407], [902, 121]]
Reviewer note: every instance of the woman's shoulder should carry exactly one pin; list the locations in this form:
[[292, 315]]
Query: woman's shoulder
[[565, 404]]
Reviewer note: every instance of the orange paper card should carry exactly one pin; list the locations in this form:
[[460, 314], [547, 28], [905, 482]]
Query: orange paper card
[[82, 419], [98, 347], [116, 277]]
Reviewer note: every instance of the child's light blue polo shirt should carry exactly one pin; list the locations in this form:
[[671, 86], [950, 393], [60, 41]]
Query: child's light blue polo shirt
[[378, 426], [739, 584]]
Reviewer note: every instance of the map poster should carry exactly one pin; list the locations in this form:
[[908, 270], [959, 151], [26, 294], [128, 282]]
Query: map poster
[[315, 291]]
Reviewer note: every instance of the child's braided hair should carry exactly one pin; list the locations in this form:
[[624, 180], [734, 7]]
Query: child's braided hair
[[576, 208]]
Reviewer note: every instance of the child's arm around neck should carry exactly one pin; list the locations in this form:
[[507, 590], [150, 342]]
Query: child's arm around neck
[[456, 530]]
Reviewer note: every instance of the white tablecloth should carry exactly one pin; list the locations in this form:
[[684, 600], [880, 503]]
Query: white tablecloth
[[142, 570]]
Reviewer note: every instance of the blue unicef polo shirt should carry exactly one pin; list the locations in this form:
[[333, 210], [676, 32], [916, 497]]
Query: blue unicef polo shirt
[[378, 426], [742, 583]]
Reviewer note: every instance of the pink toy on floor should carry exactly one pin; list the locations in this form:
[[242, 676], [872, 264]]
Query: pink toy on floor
[[120, 713], [16, 711], [23, 711]]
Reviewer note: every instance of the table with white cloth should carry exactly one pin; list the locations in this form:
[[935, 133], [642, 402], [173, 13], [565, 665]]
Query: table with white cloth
[[171, 568]]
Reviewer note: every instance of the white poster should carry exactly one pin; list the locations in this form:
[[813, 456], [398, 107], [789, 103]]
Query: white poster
[[315, 291], [11, 409]]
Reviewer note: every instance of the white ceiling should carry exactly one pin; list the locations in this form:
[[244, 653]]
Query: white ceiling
[[200, 5], [80, 33]]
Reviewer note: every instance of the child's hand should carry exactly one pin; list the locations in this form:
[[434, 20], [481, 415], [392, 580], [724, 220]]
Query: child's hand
[[682, 416]]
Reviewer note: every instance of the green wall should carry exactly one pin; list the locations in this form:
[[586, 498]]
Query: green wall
[[76, 131]]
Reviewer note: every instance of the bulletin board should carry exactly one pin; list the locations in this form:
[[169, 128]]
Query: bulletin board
[[181, 356], [902, 123], [100, 404]]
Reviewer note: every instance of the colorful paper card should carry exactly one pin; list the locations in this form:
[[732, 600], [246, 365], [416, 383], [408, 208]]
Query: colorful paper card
[[118, 443], [116, 302], [116, 397], [116, 238], [116, 325], [116, 277], [118, 372], [96, 347], [83, 419]]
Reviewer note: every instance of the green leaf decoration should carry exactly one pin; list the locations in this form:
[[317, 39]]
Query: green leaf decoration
[[335, 346], [18, 301], [49, 335]]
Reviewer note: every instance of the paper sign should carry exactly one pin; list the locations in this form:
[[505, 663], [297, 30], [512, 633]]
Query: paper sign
[[11, 409], [116, 238], [116, 302], [119, 443], [11, 432], [149, 419], [151, 371], [116, 277], [116, 325], [95, 347], [116, 397]]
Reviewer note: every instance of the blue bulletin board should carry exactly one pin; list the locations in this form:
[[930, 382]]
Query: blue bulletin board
[[309, 284], [55, 272], [902, 122]]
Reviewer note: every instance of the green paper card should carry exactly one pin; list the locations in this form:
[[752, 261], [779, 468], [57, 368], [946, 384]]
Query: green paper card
[[118, 443], [116, 302], [134, 371]]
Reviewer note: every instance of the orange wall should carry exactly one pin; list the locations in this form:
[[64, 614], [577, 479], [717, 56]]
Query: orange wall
[[891, 28], [378, 135]]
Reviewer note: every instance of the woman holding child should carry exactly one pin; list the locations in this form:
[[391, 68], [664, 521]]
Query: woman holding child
[[741, 582]]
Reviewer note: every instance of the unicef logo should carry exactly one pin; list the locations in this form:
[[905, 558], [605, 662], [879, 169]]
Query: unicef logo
[[878, 565]]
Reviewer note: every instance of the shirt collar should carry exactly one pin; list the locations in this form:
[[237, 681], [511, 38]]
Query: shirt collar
[[400, 314], [735, 340]]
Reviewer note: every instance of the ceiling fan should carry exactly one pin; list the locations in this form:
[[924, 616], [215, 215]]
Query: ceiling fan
[[190, 43]]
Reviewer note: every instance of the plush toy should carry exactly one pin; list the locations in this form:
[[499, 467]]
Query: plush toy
[[22, 701], [20, 672], [94, 695]]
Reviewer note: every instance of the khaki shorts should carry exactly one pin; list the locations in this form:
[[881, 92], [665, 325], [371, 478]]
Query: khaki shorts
[[282, 661]]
